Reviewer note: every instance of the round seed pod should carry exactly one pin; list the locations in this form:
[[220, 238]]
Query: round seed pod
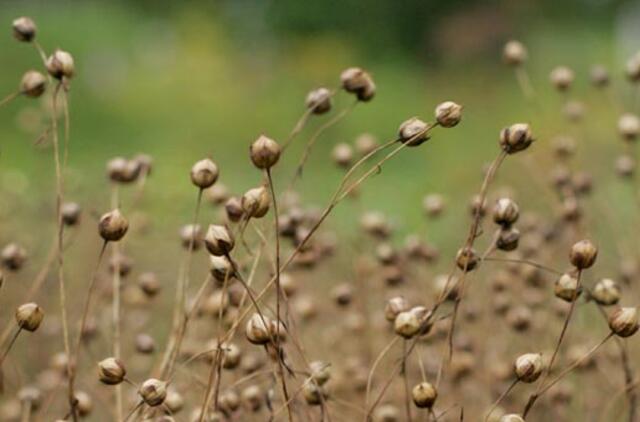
[[583, 254], [121, 170], [13, 256], [314, 394], [424, 395], [606, 292], [204, 173], [217, 194], [233, 209], [632, 68], [252, 398], [33, 84], [342, 294], [153, 392], [467, 259], [229, 401], [413, 132], [220, 268], [30, 396], [407, 324], [218, 240], [320, 371], [561, 78], [514, 53], [111, 371], [433, 205], [366, 143], [394, 307], [528, 367], [505, 212], [386, 413], [319, 101], [255, 202], [629, 126], [375, 224], [84, 403], [516, 137], [342, 155], [121, 263], [149, 284], [71, 213], [113, 226], [566, 288], [24, 29], [264, 152], [357, 81], [174, 401], [60, 65], [191, 236], [599, 76], [448, 114], [257, 331], [512, 417], [29, 316], [625, 165], [145, 344], [624, 321]]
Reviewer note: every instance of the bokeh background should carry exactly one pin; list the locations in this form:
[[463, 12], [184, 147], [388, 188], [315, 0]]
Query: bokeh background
[[187, 79]]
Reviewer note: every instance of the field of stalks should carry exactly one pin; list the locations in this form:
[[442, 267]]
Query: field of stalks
[[265, 306]]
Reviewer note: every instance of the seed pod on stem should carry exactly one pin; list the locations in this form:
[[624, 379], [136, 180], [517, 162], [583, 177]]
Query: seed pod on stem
[[624, 321], [111, 371], [319, 101], [514, 53], [113, 226], [204, 173], [583, 254], [24, 29], [357, 81], [424, 395], [29, 316], [264, 152], [60, 65], [255, 202], [153, 392], [448, 114], [516, 138], [528, 367], [218, 240], [33, 84]]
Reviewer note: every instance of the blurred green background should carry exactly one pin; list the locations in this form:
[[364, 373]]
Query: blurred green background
[[186, 79]]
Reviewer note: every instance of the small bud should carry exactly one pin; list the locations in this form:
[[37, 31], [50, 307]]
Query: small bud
[[314, 394], [71, 213], [629, 126], [413, 132], [153, 392], [467, 259], [145, 344], [33, 84], [111, 371], [191, 236], [632, 68], [566, 288], [515, 138], [606, 292], [599, 76], [233, 209], [433, 205], [204, 173], [149, 284], [528, 367], [407, 324], [624, 321], [508, 239], [342, 155], [121, 170], [84, 403], [357, 81], [264, 152], [514, 53], [113, 226], [13, 256], [257, 330], [29, 316], [219, 241], [60, 65], [583, 254], [255, 202], [319, 101], [394, 306], [320, 371], [506, 212], [448, 114], [424, 395], [561, 77], [24, 29], [365, 144]]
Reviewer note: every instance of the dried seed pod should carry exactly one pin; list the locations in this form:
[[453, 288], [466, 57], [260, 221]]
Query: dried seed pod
[[29, 316], [252, 398], [257, 330], [33, 84], [342, 294], [314, 394], [319, 101], [412, 322], [111, 371], [229, 401], [366, 143], [413, 132], [145, 344], [467, 259], [606, 292], [24, 29], [191, 236], [508, 239], [121, 170], [515, 138], [566, 288], [342, 155], [514, 53], [624, 321], [625, 165], [233, 208], [561, 77], [153, 392], [433, 205], [113, 226], [30, 396], [231, 356], [359, 82], [375, 224], [220, 268], [174, 401], [255, 202], [632, 68], [84, 403], [60, 65], [13, 256], [519, 318], [217, 194], [264, 152], [121, 263], [149, 284], [424, 395], [70, 213], [395, 306], [629, 126], [599, 76], [448, 114], [204, 173], [512, 417], [219, 241], [320, 371], [528, 367], [505, 212], [583, 254]]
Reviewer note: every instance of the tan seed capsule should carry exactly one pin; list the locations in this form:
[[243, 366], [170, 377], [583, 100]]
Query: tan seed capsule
[[505, 212], [632, 68], [467, 259], [24, 29], [561, 77], [413, 132], [153, 392], [515, 138], [84, 403], [111, 371], [528, 367], [264, 152], [233, 209], [583, 254], [599, 76], [394, 306], [71, 213], [508, 239], [204, 173], [448, 114], [13, 256], [314, 394], [319, 101], [511, 418], [357, 81], [218, 240], [629, 126], [113, 226], [342, 155], [33, 84], [514, 53], [174, 401], [606, 292], [366, 144], [255, 202], [191, 236], [566, 288], [424, 395], [60, 65], [145, 344], [624, 321], [407, 324], [29, 316], [257, 330]]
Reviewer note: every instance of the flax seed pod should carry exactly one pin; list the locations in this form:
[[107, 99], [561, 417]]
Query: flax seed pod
[[561, 77], [204, 173], [528, 367], [515, 138], [319, 101], [255, 202], [264, 152], [424, 395], [514, 53], [29, 316], [13, 256], [359, 82], [153, 392], [413, 132], [448, 114], [624, 321], [566, 288], [606, 292], [583, 254], [60, 65], [113, 226], [24, 29], [111, 371], [33, 84], [218, 240]]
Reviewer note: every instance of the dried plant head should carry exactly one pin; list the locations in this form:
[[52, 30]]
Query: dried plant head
[[358, 82], [113, 226], [24, 29], [33, 84], [29, 316], [516, 138], [318, 101], [413, 132], [514, 53], [448, 114], [60, 65], [204, 173], [264, 152]]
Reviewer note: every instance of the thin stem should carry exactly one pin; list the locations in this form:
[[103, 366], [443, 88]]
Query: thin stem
[[6, 100], [405, 377], [11, 343], [502, 397]]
